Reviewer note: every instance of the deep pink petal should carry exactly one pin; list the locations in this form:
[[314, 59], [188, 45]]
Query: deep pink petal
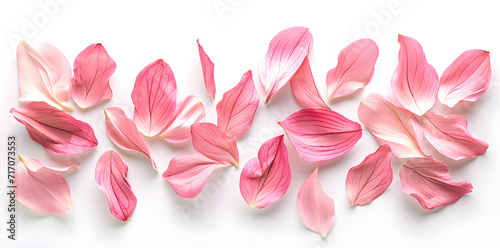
[[211, 142], [208, 71], [304, 88], [188, 112]]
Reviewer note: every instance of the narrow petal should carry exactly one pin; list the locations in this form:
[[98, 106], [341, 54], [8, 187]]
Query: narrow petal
[[356, 64], [285, 55], [154, 98], [466, 79], [57, 131], [430, 183], [36, 165], [265, 179], [237, 108], [415, 82], [371, 178], [92, 69], [208, 71], [321, 134], [111, 177], [188, 112], [214, 144], [304, 88], [449, 135]]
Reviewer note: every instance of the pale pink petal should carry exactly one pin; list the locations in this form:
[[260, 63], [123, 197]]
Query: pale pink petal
[[304, 88], [371, 178], [466, 79], [237, 108], [356, 64], [207, 67], [430, 183], [285, 55], [57, 169], [57, 131], [211, 142], [265, 179], [187, 174], [449, 135], [188, 112], [123, 132], [397, 127], [320, 134], [92, 69], [44, 74], [316, 208], [415, 82], [154, 98], [111, 177]]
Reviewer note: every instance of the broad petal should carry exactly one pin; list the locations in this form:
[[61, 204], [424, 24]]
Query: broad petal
[[304, 88], [208, 71], [211, 142], [188, 112]]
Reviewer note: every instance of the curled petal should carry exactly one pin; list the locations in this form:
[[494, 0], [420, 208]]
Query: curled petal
[[304, 89], [208, 71], [214, 144], [188, 112]]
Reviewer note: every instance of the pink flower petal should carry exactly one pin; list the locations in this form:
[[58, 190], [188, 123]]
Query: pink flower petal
[[356, 64], [371, 178], [111, 177], [466, 79], [430, 183], [92, 69], [208, 71], [320, 134], [397, 127], [188, 112], [316, 208], [211, 142], [57, 131], [237, 108], [415, 82], [123, 132], [187, 174], [265, 179], [154, 98], [285, 55], [44, 74], [41, 189], [36, 165], [304, 89], [449, 135]]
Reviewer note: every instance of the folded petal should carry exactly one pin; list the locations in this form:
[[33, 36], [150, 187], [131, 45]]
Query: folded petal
[[92, 69], [285, 55], [371, 178], [211, 142], [208, 71], [316, 208], [304, 88], [449, 135], [36, 165], [265, 179], [356, 64], [57, 131], [430, 183], [154, 98], [188, 112], [466, 79], [111, 177], [237, 108], [415, 82], [320, 134], [397, 127]]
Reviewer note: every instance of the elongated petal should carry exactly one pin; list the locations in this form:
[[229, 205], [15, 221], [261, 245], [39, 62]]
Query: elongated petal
[[154, 98], [111, 177], [57, 131], [207, 67], [304, 88], [320, 134], [285, 55], [466, 79], [415, 82], [371, 178], [214, 144], [356, 64], [40, 189], [187, 174], [265, 179], [92, 69], [449, 135], [237, 108], [44, 74], [316, 208], [397, 127], [430, 183], [36, 165], [123, 132], [188, 112]]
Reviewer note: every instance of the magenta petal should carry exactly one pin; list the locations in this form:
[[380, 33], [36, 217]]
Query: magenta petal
[[208, 71], [430, 183], [188, 112], [214, 144], [304, 89]]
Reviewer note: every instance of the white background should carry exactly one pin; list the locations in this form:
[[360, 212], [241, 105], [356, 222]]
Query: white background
[[136, 34]]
